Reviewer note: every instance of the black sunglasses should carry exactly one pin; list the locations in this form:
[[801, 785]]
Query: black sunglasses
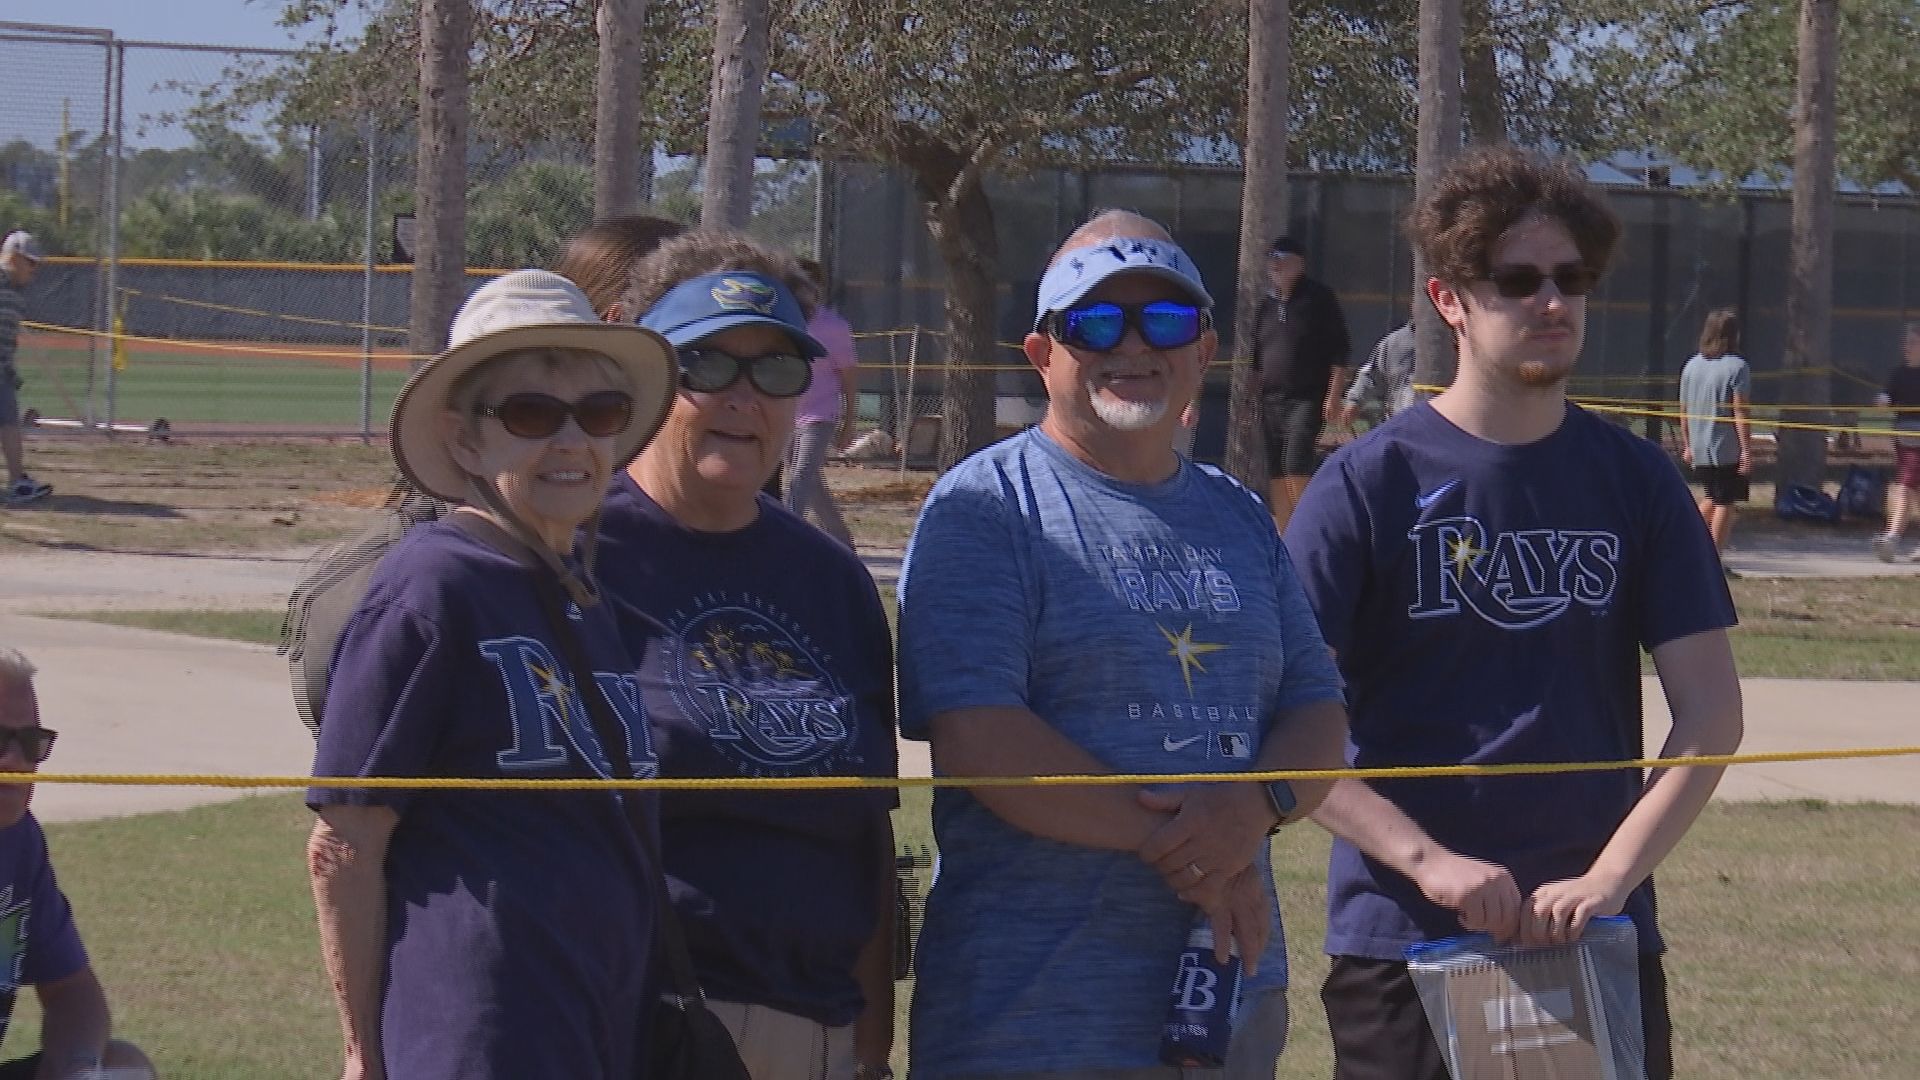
[[1520, 281], [600, 414], [775, 374], [35, 743], [1099, 327]]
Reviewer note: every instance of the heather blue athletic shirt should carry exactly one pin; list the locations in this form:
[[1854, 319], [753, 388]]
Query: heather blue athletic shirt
[[1161, 628], [774, 660], [1489, 604], [519, 923], [38, 942]]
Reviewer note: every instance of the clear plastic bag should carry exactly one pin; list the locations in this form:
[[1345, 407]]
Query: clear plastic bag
[[1554, 1012]]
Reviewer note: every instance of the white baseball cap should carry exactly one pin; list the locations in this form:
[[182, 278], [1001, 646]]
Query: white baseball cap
[[20, 242]]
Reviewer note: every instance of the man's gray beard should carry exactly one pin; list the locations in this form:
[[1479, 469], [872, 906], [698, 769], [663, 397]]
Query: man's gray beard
[[1126, 415]]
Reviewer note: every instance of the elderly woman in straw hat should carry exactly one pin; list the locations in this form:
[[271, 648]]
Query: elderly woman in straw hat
[[775, 661], [474, 933]]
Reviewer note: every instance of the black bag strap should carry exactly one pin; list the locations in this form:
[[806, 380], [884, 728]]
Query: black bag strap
[[613, 738]]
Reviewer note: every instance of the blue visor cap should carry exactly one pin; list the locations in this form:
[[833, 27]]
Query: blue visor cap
[[1079, 271], [698, 308]]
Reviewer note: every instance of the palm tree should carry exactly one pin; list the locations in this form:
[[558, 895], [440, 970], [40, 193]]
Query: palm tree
[[733, 118], [1263, 214], [616, 118], [1803, 454], [1436, 144], [440, 186]]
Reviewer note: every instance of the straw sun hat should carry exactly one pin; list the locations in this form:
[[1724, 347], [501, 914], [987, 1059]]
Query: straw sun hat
[[527, 309]]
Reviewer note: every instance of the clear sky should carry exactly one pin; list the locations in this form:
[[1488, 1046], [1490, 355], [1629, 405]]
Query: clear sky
[[39, 81], [210, 22]]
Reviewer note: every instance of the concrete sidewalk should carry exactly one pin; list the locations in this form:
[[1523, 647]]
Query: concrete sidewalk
[[139, 701]]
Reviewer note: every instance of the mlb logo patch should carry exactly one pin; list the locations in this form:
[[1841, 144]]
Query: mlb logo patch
[[1234, 745]]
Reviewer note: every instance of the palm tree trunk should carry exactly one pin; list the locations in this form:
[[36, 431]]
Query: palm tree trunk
[[1438, 142], [440, 186], [1263, 214], [1803, 454], [618, 85], [733, 120]]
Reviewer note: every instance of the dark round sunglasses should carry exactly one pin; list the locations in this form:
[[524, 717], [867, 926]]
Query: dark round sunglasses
[[35, 743], [1099, 327], [600, 414], [776, 374], [1520, 281]]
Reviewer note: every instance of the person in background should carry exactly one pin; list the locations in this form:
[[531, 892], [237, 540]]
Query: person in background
[[1489, 567], [41, 944], [1715, 386], [763, 651], [19, 262], [823, 420], [1903, 395], [1385, 381], [1300, 349], [601, 259]]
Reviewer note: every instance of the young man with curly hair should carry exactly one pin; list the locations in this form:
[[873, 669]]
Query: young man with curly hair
[[1488, 566]]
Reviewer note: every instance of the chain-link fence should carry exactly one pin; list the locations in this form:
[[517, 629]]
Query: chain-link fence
[[258, 270], [222, 269], [1681, 257]]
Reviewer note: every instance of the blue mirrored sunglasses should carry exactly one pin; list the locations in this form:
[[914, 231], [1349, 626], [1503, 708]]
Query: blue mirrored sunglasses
[[1099, 327]]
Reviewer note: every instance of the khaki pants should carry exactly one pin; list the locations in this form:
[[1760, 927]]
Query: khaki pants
[[777, 1045], [1253, 1055]]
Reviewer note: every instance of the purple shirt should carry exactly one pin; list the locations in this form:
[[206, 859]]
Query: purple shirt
[[37, 935], [763, 652], [821, 403], [519, 923], [1489, 604]]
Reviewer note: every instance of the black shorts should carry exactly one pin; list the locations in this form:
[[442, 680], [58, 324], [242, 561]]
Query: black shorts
[[1380, 1031], [1724, 483], [1293, 427], [25, 1068]]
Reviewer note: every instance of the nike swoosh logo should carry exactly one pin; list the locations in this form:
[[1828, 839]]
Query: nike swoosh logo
[[1425, 502], [1174, 745]]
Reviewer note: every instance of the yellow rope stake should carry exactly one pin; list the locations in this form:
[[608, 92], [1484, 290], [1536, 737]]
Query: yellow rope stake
[[828, 783]]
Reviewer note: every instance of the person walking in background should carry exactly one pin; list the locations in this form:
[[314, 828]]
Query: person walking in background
[[1714, 439], [44, 947], [1300, 349], [1489, 567], [1080, 598], [1903, 394], [601, 258], [19, 262], [824, 419], [1385, 381]]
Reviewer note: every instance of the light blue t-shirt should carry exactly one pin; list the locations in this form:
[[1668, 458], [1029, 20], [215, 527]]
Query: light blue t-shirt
[[1159, 627], [1707, 387]]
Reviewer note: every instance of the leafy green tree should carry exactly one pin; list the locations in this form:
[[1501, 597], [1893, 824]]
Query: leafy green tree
[[1710, 83]]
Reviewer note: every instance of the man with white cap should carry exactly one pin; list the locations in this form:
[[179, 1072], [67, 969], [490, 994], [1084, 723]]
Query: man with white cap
[[1081, 599], [19, 261]]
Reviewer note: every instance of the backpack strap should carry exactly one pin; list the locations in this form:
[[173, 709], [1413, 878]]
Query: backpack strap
[[612, 735]]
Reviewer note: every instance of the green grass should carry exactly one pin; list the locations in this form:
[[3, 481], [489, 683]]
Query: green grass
[[260, 626], [1806, 628], [227, 388], [1794, 940]]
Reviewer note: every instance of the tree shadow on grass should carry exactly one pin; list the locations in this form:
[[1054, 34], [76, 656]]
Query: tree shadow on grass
[[94, 507]]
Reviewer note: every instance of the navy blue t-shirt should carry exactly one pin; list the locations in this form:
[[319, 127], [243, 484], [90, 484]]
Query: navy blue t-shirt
[[519, 923], [38, 941], [763, 652], [1489, 604]]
